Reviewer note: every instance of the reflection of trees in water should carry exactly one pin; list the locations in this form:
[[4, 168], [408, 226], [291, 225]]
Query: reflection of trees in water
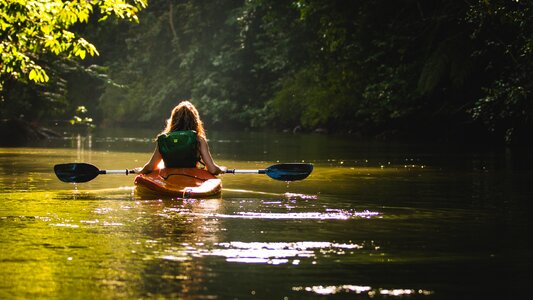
[[170, 266], [83, 146]]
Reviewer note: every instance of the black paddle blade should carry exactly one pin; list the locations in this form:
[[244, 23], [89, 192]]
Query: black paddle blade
[[289, 172], [76, 172]]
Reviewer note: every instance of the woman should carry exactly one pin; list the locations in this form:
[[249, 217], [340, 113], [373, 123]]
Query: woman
[[183, 143]]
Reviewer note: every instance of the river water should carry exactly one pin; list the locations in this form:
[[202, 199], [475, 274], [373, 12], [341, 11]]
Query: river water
[[373, 221]]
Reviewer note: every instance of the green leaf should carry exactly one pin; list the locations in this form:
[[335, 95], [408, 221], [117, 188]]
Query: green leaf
[[33, 74]]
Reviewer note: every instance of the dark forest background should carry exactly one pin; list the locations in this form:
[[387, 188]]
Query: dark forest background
[[417, 69]]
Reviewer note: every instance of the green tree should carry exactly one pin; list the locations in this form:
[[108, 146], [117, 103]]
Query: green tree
[[439, 68], [503, 34], [30, 29], [180, 51]]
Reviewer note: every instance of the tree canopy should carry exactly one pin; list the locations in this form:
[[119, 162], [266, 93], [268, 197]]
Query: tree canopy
[[33, 28], [373, 68]]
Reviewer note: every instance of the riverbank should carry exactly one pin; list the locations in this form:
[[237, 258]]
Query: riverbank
[[17, 132]]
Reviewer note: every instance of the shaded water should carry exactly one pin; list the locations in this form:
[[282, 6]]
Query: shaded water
[[380, 221]]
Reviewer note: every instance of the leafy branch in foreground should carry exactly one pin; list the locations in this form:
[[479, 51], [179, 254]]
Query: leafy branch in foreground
[[29, 29]]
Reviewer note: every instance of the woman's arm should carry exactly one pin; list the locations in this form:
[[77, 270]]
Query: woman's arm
[[212, 167], [152, 163]]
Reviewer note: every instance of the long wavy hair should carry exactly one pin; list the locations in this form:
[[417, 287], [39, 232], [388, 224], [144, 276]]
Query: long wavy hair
[[185, 117]]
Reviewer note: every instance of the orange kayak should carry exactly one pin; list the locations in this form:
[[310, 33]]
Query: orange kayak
[[178, 182]]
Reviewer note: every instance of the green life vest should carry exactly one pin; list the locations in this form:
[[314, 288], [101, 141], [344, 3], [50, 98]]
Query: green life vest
[[179, 149]]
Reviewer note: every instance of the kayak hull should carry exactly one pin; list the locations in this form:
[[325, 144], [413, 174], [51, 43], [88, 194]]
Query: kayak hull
[[179, 182]]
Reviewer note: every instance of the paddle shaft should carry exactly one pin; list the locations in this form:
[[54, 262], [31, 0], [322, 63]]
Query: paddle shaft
[[234, 171], [116, 172], [229, 171]]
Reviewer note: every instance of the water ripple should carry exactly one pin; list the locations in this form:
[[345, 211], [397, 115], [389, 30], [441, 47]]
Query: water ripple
[[295, 196], [361, 289], [330, 215], [273, 253]]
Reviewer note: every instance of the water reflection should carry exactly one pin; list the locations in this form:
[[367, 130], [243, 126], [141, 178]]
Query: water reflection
[[84, 144], [331, 215], [170, 266], [361, 289], [279, 252]]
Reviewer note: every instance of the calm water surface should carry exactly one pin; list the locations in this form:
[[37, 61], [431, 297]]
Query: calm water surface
[[373, 221]]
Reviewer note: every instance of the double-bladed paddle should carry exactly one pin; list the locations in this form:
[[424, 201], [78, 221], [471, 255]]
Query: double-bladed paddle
[[83, 172]]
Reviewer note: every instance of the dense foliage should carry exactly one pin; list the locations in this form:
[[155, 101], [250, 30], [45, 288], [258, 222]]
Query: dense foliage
[[407, 67], [35, 35]]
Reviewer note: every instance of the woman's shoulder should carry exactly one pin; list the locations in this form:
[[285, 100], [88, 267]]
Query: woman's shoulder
[[201, 139]]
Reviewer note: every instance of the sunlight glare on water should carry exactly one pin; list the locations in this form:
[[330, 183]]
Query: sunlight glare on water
[[334, 215], [369, 291], [268, 252]]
